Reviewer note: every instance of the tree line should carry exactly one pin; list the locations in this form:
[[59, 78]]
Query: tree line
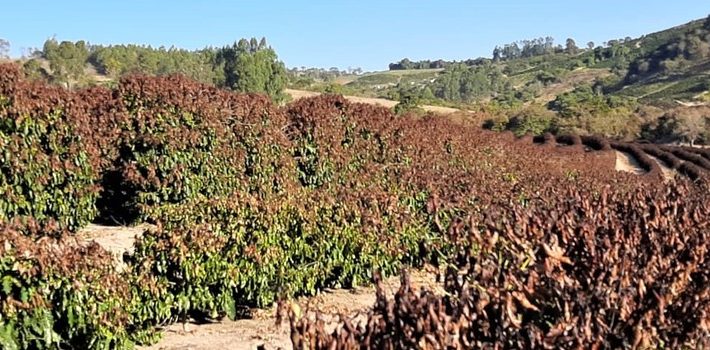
[[248, 65], [406, 63], [514, 50], [522, 49], [4, 48]]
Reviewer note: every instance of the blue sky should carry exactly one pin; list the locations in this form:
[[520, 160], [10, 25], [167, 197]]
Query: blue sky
[[365, 33]]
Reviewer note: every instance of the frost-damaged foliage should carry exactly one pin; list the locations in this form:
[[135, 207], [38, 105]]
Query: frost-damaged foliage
[[217, 254], [251, 246], [45, 172], [649, 165], [55, 294], [571, 270], [335, 141], [557, 253]]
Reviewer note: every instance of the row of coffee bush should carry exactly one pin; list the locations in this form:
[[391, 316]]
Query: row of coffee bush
[[572, 269]]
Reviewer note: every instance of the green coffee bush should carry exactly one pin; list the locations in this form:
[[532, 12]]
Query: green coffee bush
[[218, 254], [45, 173], [184, 141]]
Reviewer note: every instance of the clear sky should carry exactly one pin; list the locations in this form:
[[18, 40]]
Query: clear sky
[[319, 33]]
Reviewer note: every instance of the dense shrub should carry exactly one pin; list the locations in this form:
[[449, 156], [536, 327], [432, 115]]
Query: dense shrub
[[649, 165], [569, 139], [56, 294], [549, 139], [701, 151], [218, 254], [688, 156], [596, 142], [183, 141], [46, 173], [166, 147], [562, 271], [533, 120], [668, 158], [335, 141]]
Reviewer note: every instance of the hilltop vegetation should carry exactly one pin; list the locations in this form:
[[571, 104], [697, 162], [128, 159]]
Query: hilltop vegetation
[[245, 66], [671, 52]]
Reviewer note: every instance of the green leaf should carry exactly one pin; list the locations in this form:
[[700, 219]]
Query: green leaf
[[7, 283], [231, 307], [24, 295]]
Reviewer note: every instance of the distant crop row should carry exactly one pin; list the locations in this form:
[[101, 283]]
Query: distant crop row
[[254, 202], [690, 161]]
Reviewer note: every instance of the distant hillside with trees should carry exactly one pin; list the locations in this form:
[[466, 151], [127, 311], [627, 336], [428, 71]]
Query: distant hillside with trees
[[528, 64], [248, 65], [654, 87]]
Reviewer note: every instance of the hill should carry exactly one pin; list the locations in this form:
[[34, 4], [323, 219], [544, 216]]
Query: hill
[[654, 87], [674, 61]]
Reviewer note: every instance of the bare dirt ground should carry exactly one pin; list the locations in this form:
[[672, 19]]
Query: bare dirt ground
[[668, 173], [626, 162], [115, 239], [296, 94]]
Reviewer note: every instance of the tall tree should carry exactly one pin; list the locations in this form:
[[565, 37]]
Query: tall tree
[[34, 71], [549, 46], [496, 54], [590, 45], [571, 47], [691, 126], [4, 48], [66, 60], [250, 66]]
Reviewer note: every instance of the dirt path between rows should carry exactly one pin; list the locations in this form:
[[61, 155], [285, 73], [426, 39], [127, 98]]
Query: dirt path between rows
[[668, 173], [116, 239], [626, 162]]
